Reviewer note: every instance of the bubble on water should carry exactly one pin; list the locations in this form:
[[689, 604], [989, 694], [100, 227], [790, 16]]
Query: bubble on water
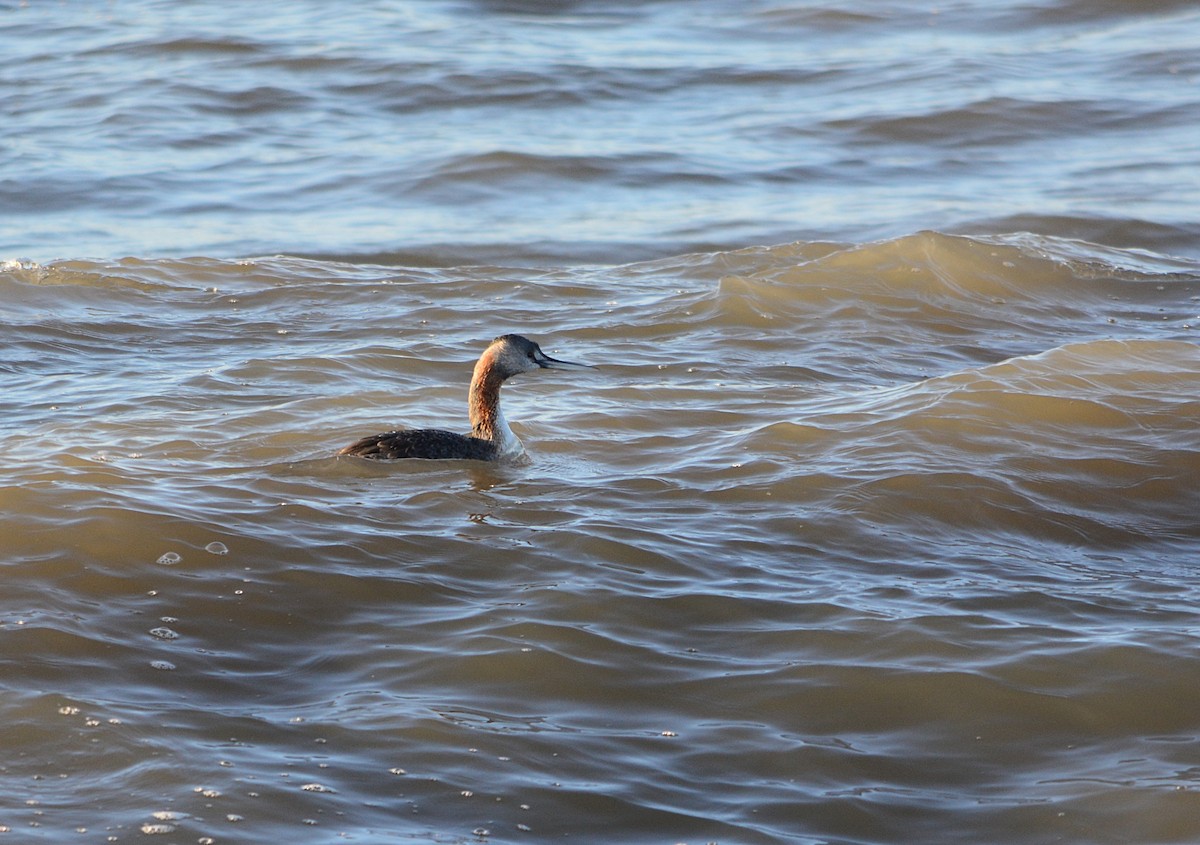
[[169, 559], [234, 817], [217, 549], [317, 787], [481, 831], [68, 710], [397, 771], [151, 829], [9, 265], [163, 634], [163, 665]]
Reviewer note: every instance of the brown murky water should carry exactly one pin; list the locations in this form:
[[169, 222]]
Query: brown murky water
[[892, 542]]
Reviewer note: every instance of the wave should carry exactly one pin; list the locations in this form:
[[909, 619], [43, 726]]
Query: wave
[[990, 269], [931, 303], [1085, 443]]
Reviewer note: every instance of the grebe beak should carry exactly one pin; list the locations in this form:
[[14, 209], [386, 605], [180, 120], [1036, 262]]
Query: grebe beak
[[547, 363]]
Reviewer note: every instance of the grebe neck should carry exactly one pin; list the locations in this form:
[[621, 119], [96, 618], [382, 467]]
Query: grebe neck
[[487, 418]]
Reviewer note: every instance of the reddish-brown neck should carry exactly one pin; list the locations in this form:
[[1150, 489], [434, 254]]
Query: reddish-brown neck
[[484, 401]]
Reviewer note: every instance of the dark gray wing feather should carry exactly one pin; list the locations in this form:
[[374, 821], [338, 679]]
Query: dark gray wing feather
[[428, 443]]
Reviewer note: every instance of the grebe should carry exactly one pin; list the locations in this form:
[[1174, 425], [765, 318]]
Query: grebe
[[490, 439]]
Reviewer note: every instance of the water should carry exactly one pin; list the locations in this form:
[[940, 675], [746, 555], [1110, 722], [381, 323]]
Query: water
[[513, 130], [877, 523]]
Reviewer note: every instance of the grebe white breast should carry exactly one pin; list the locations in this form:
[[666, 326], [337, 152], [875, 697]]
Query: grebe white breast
[[490, 439]]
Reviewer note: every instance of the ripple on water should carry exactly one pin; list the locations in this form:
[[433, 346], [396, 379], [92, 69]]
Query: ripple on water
[[832, 549]]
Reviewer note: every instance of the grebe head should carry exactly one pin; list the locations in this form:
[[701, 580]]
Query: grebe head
[[511, 354]]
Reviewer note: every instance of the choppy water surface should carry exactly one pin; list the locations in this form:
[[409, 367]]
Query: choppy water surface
[[566, 130], [869, 543], [876, 524]]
